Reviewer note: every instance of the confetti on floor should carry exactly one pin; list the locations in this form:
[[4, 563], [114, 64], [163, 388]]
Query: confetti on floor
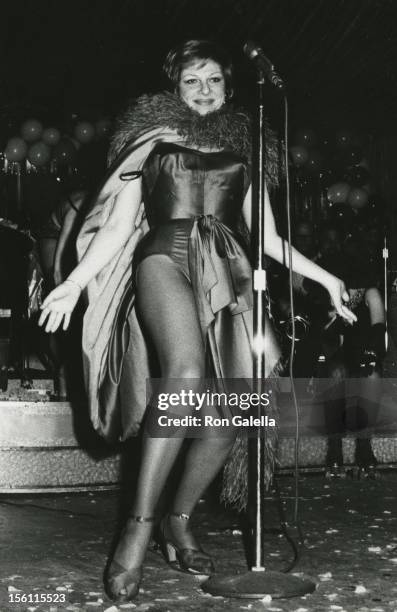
[[352, 564]]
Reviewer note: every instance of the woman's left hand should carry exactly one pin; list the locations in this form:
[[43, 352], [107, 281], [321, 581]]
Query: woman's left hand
[[339, 294]]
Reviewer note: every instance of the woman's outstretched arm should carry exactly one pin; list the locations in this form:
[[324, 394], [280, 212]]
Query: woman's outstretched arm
[[277, 248], [112, 236], [107, 242]]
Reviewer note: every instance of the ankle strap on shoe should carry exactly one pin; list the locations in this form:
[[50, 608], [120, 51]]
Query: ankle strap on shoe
[[142, 519], [181, 515]]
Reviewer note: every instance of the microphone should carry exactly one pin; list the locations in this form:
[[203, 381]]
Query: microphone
[[255, 53]]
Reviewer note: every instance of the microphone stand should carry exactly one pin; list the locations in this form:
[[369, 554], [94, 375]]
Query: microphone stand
[[259, 581]]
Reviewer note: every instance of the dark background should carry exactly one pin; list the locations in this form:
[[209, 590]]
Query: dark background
[[81, 59], [339, 57]]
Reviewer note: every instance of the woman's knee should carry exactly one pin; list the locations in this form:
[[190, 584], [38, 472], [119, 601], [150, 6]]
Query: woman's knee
[[192, 369]]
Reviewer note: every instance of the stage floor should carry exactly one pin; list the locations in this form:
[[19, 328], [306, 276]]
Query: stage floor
[[59, 544]]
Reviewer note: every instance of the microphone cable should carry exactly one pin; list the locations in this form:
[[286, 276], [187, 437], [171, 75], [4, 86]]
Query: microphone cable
[[284, 526]]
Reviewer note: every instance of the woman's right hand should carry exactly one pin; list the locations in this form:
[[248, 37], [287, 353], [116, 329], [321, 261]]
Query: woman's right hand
[[59, 305]]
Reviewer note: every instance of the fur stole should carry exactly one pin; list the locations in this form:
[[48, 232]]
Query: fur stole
[[225, 128]]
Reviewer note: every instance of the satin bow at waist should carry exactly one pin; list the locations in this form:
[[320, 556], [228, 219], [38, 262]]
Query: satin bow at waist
[[219, 270]]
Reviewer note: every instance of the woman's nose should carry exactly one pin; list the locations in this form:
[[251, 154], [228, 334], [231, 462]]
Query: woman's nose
[[205, 87]]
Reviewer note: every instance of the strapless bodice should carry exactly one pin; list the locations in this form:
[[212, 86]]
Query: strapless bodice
[[181, 182]]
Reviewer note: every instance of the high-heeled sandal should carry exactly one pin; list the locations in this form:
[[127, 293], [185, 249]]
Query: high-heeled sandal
[[190, 560], [122, 584]]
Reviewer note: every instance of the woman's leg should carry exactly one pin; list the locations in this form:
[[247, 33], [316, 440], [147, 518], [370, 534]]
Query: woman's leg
[[168, 313], [203, 461]]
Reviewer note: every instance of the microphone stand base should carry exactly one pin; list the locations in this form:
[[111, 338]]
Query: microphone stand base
[[256, 585]]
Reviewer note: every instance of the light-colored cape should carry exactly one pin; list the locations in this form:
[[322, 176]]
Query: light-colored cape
[[104, 292]]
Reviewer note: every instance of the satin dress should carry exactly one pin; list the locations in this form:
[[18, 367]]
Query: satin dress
[[193, 204]]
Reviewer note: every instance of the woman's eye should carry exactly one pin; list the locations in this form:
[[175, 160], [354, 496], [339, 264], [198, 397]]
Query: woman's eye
[[190, 81], [216, 79]]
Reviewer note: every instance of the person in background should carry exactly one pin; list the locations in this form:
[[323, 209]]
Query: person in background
[[57, 250], [353, 353], [349, 352]]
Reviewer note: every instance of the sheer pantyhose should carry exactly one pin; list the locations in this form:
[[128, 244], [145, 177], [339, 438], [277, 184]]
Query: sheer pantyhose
[[166, 306]]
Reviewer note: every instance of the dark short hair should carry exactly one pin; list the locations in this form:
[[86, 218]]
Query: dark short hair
[[195, 50]]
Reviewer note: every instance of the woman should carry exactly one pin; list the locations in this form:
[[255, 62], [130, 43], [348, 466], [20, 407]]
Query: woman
[[189, 296]]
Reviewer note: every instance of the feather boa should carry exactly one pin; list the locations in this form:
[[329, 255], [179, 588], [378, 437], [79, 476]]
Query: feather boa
[[225, 128]]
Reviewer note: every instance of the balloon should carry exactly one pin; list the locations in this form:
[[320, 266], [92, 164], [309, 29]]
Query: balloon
[[84, 132], [103, 127], [16, 149], [51, 136], [305, 137], [64, 151], [314, 162], [31, 130], [358, 176], [358, 197], [299, 155], [343, 139], [338, 193], [39, 154]]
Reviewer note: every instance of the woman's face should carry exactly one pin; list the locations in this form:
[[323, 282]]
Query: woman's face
[[202, 86]]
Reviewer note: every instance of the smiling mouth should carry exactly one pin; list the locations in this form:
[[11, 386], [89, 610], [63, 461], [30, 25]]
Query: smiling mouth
[[206, 102]]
